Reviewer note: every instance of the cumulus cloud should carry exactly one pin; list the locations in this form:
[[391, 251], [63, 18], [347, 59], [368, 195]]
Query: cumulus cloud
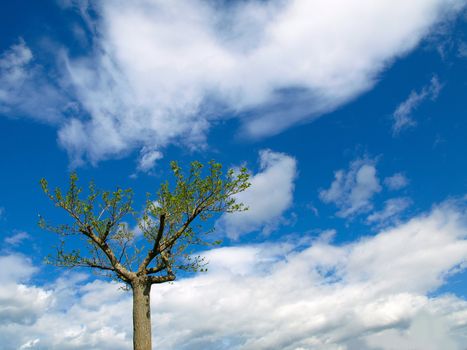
[[402, 116], [368, 294], [19, 304], [15, 268], [162, 73], [396, 181], [352, 190], [442, 336], [77, 314], [269, 196]]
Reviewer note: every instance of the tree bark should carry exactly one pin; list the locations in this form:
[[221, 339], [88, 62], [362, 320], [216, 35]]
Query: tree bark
[[141, 315]]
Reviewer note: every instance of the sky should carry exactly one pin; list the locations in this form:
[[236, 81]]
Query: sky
[[349, 115]]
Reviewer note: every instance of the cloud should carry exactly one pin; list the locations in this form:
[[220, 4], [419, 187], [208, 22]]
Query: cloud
[[25, 89], [30, 344], [79, 312], [160, 73], [148, 159], [402, 116], [269, 196], [17, 238], [368, 294], [15, 268], [352, 190], [462, 49], [415, 337], [19, 304], [396, 181], [392, 209]]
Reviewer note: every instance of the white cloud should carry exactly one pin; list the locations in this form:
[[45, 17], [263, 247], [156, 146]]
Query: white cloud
[[25, 90], [164, 72], [396, 181], [29, 344], [352, 190], [369, 294], [403, 114], [442, 336], [19, 304], [148, 159], [17, 238], [392, 209], [74, 313], [15, 268], [269, 196]]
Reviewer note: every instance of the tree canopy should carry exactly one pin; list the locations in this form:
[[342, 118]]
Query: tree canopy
[[161, 242]]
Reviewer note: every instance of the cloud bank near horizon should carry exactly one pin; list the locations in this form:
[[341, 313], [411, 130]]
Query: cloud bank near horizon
[[375, 293], [163, 72]]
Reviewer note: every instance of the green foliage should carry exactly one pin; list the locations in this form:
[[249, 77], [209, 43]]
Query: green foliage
[[167, 223], [100, 210]]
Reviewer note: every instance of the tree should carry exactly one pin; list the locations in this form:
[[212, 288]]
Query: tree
[[172, 228]]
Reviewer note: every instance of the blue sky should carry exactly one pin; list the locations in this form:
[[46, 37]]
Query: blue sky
[[350, 116]]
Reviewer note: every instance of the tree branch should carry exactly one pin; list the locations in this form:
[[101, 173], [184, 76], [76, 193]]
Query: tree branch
[[161, 279], [95, 265], [119, 268], [170, 276], [168, 244], [155, 249], [152, 270]]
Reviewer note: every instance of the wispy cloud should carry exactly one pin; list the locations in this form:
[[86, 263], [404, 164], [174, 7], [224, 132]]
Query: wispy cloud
[[266, 296], [462, 49], [25, 90], [163, 73], [402, 116], [392, 209], [396, 181], [17, 238]]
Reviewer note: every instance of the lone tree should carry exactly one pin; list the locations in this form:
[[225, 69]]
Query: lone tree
[[170, 229]]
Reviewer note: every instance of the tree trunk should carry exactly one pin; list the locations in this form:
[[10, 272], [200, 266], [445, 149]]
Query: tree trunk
[[141, 316]]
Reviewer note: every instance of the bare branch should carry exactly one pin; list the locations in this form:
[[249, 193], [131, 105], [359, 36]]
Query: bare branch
[[161, 279], [118, 267], [160, 267], [155, 249], [170, 276], [99, 266], [170, 242], [123, 252]]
